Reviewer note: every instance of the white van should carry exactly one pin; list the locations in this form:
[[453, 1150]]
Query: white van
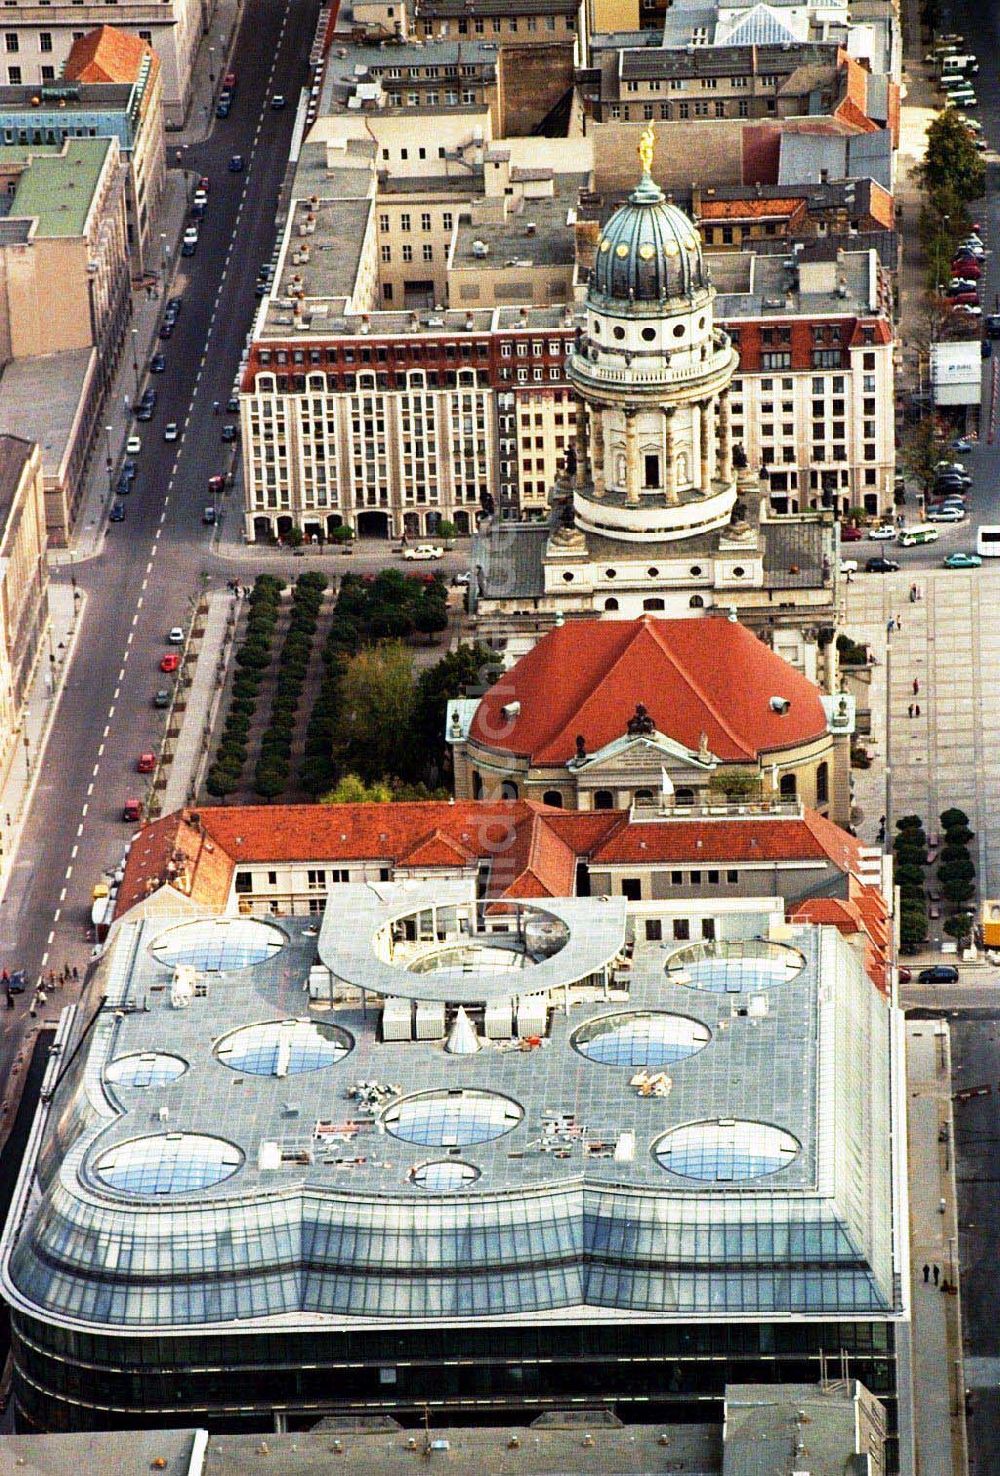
[[922, 533]]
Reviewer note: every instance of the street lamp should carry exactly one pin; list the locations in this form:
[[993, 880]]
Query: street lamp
[[135, 360], [163, 256]]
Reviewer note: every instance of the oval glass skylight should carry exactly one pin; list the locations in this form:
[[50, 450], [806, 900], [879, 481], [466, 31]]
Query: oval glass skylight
[[725, 1151], [219, 945], [284, 1047], [169, 1163], [640, 1038], [445, 1119], [734, 967], [447, 1173], [150, 1069]]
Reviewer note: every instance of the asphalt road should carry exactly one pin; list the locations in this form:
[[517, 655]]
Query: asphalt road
[[159, 558]]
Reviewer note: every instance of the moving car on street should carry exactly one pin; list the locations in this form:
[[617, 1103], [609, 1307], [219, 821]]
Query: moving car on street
[[133, 445], [962, 561], [938, 974], [423, 551], [147, 762], [881, 566], [170, 662]]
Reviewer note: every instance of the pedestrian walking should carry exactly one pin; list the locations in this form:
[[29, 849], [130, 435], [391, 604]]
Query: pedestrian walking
[[913, 594], [916, 709], [76, 971], [916, 686], [890, 626], [899, 622], [937, 1274], [909, 710], [927, 1273]]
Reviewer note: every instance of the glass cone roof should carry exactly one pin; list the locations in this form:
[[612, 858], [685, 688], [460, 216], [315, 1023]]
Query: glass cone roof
[[719, 1152], [734, 967], [447, 1173], [452, 1119], [170, 1163], [146, 1069], [218, 945], [284, 1047], [640, 1038]]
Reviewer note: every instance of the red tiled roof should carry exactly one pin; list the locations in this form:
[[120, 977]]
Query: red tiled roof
[[174, 852], [863, 911], [749, 208], [533, 850], [694, 676], [106, 55]]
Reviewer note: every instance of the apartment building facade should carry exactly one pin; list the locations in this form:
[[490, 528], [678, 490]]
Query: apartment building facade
[[24, 610]]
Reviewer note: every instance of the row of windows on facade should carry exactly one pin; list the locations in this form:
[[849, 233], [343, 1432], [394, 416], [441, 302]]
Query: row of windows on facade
[[669, 112], [405, 221], [319, 878], [432, 98], [536, 348], [605, 799], [477, 25]]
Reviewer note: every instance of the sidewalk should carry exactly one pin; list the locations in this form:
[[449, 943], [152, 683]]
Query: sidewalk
[[91, 527], [938, 1371], [88, 538], [66, 604]]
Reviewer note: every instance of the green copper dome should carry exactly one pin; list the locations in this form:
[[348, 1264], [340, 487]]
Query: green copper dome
[[648, 252]]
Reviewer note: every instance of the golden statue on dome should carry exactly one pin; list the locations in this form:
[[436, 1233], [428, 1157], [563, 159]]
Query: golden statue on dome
[[647, 142]]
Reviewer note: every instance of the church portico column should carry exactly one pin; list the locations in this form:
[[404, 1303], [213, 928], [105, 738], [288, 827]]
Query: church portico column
[[582, 446], [597, 430], [631, 459], [725, 438], [705, 423], [669, 464]]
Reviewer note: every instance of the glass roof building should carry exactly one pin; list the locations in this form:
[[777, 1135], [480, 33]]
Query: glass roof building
[[480, 1156]]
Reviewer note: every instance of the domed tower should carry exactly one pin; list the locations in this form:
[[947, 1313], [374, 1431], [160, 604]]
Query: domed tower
[[654, 441]]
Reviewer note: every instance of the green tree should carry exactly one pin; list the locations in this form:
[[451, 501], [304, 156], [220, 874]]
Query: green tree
[[919, 453], [959, 926], [467, 668], [735, 784], [952, 172], [372, 731], [912, 926], [352, 790], [952, 817]]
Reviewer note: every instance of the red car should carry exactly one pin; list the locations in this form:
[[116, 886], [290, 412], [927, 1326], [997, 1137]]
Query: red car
[[147, 763], [170, 662], [905, 974], [966, 266], [216, 484], [962, 299], [850, 534]]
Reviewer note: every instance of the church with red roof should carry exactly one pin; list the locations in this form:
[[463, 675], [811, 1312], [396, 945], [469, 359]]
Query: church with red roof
[[603, 714]]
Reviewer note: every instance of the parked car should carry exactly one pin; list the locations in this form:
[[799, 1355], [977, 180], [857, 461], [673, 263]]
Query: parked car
[[880, 565], [960, 297], [236, 164], [216, 485], [176, 636], [200, 197], [132, 809], [174, 306], [947, 515], [223, 107], [17, 981], [130, 469], [962, 561], [205, 183], [123, 486], [885, 533], [208, 515], [904, 974], [167, 328], [962, 445], [144, 413], [850, 534], [277, 102], [170, 662], [423, 551], [229, 434], [117, 513], [158, 364], [133, 445], [147, 762], [938, 974], [188, 248], [233, 405], [162, 698]]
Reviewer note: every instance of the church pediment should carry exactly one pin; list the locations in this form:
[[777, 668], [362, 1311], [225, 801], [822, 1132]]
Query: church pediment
[[653, 749]]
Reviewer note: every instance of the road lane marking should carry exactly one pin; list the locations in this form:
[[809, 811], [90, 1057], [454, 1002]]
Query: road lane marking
[[83, 812], [45, 958], [96, 767], [49, 938], [111, 712], [138, 603], [79, 832], [62, 895], [100, 754], [90, 787], [58, 912], [107, 729]]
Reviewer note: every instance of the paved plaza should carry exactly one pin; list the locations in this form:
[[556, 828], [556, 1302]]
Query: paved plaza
[[948, 642]]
